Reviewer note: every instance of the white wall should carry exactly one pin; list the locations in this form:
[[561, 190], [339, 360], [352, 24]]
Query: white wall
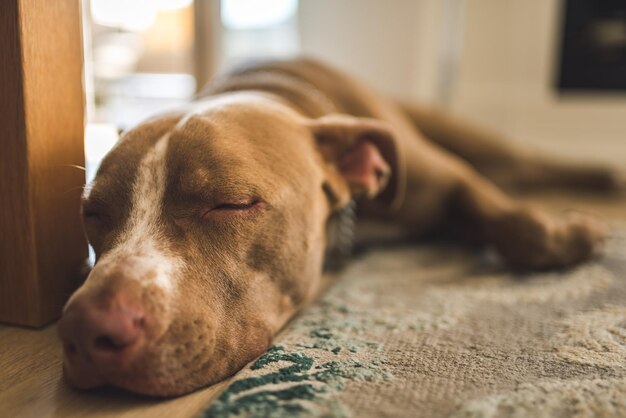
[[391, 44], [505, 79]]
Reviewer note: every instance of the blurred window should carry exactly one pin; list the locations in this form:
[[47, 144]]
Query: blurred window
[[257, 14], [258, 29], [141, 58]]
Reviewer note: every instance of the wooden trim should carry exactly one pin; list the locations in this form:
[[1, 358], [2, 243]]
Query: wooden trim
[[206, 40], [41, 114]]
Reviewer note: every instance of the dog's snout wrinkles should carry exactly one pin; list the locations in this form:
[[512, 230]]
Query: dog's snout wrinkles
[[100, 335]]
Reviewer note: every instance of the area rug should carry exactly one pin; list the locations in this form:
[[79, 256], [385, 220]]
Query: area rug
[[434, 331]]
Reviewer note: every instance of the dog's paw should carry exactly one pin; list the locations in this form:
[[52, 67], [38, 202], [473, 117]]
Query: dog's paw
[[529, 238]]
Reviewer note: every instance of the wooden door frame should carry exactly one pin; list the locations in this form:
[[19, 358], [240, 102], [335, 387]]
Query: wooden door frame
[[42, 246]]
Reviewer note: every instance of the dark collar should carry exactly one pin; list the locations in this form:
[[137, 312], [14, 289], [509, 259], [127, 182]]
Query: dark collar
[[340, 237]]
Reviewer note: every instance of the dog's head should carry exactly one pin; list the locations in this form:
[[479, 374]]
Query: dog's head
[[209, 232]]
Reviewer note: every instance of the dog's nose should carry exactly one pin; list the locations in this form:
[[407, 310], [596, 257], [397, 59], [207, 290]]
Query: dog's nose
[[100, 335]]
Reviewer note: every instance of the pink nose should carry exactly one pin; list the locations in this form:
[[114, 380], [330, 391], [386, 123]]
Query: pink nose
[[101, 337]]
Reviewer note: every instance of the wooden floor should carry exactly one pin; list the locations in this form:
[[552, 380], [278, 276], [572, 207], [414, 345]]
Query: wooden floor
[[31, 385], [30, 360]]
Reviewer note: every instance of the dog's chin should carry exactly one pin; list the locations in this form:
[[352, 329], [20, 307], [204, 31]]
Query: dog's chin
[[156, 385], [153, 374]]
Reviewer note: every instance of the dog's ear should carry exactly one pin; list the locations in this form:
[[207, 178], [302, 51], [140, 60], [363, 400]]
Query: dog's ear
[[360, 156]]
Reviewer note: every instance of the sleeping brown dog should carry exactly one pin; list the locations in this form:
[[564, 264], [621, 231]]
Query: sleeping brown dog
[[210, 223]]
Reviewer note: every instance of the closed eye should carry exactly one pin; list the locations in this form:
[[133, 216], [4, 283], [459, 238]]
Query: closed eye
[[235, 208]]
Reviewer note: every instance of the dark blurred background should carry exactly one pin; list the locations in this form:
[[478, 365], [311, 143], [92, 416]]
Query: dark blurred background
[[549, 73]]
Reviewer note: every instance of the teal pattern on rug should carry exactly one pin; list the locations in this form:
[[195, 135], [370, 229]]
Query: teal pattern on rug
[[298, 378]]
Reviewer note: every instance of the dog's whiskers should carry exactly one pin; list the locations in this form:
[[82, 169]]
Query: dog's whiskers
[[79, 167]]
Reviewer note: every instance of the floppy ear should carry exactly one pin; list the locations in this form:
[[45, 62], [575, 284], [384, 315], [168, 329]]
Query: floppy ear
[[360, 155]]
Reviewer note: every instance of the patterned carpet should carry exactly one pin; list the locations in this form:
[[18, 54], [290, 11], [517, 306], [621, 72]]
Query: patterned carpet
[[430, 331]]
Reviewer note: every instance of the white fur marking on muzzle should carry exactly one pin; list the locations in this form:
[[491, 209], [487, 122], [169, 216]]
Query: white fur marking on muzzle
[[142, 243]]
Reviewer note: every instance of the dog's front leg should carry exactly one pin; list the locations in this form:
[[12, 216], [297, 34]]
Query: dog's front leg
[[525, 237]]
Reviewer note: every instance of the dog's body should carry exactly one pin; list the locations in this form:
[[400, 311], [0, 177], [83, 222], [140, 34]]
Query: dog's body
[[209, 223]]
